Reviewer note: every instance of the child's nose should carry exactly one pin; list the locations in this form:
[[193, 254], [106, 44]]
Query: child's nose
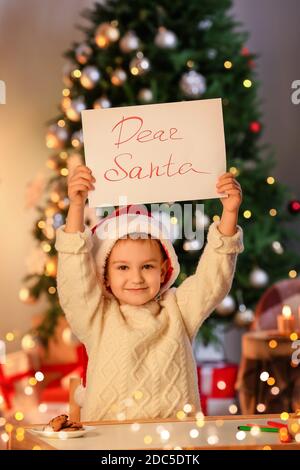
[[138, 276]]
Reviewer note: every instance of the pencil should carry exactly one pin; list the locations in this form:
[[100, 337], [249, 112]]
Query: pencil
[[261, 428]]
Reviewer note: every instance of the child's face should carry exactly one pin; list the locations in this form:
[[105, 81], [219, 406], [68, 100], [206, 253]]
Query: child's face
[[135, 270]]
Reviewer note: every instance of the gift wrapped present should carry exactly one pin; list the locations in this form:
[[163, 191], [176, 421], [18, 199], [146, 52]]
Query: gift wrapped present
[[216, 381]]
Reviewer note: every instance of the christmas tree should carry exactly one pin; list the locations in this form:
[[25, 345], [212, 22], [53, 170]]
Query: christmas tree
[[143, 52]]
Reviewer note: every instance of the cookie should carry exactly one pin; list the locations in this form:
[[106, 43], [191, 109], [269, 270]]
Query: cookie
[[58, 422]]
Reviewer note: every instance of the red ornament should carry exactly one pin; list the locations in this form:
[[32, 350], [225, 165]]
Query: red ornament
[[294, 207], [245, 51], [255, 127]]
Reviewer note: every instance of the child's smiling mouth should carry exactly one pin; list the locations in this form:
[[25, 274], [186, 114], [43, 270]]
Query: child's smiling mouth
[[137, 290]]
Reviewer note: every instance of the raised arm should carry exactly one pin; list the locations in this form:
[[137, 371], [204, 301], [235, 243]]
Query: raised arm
[[78, 288], [199, 294]]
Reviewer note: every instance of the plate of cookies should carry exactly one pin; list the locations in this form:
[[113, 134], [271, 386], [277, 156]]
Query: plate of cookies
[[61, 427]]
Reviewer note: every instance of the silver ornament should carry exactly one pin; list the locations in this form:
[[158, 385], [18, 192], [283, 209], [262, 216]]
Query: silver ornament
[[77, 139], [82, 53], [139, 65], [244, 318], [250, 165], [192, 84], [277, 248], [205, 24], [73, 111], [211, 54], [56, 136], [118, 77], [105, 34], [226, 307], [165, 38], [258, 278], [129, 42], [90, 75], [102, 103], [145, 95]]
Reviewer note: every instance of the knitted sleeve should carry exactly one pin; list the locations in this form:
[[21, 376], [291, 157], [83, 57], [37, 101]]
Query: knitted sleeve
[[199, 294], [78, 288]]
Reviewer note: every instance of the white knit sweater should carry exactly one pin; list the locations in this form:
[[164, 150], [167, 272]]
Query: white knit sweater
[[141, 361]]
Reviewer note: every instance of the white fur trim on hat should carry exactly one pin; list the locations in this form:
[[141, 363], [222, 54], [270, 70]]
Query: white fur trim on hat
[[117, 226]]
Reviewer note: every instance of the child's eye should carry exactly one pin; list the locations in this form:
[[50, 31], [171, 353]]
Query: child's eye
[[148, 266], [122, 267]]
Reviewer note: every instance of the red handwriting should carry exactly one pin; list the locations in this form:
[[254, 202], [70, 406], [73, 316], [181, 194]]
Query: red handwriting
[[141, 136], [138, 172]]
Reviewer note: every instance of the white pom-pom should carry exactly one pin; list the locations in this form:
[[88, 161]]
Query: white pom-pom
[[79, 395]]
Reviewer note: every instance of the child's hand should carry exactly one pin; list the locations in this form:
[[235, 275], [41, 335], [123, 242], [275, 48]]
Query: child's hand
[[228, 184], [79, 184]]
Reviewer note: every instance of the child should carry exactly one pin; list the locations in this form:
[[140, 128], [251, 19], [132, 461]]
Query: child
[[116, 294]]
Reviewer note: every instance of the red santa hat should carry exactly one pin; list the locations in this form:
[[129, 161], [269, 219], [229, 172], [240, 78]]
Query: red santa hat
[[127, 222]]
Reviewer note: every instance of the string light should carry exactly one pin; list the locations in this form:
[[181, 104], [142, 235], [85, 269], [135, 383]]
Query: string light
[[32, 381], [63, 155], [292, 274], [261, 407], [270, 180], [41, 224], [28, 342], [46, 247], [19, 416], [76, 73], [273, 212], [64, 171], [39, 376], [221, 385], [54, 197], [264, 376], [247, 83], [187, 408], [9, 336], [28, 390], [216, 218], [247, 214], [228, 64], [284, 416], [233, 409], [61, 123], [65, 92], [273, 344], [138, 394], [194, 433], [234, 171], [180, 415]]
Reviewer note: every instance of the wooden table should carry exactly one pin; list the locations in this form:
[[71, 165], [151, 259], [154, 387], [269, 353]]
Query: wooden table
[[121, 435]]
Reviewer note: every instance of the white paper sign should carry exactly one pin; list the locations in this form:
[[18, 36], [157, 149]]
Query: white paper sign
[[155, 153]]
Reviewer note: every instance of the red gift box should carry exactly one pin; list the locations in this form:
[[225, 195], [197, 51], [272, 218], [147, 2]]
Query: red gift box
[[216, 382]]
